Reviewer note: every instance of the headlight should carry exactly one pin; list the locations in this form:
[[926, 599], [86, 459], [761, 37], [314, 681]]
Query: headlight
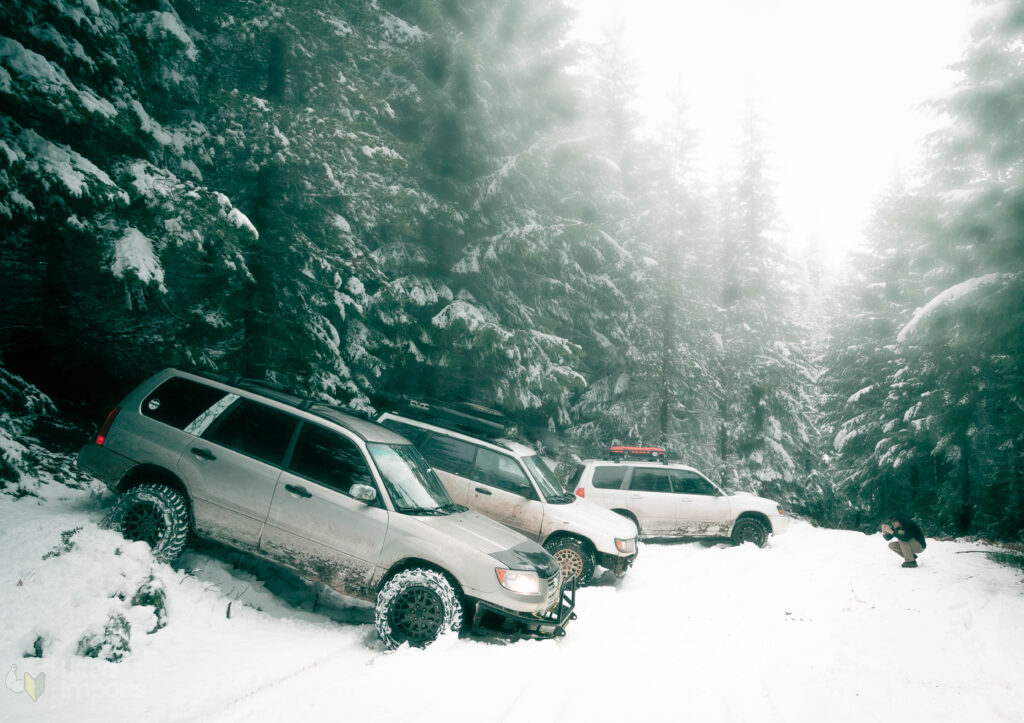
[[519, 581], [781, 511], [627, 547]]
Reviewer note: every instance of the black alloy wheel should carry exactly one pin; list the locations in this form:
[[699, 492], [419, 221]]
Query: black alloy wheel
[[144, 522], [417, 615]]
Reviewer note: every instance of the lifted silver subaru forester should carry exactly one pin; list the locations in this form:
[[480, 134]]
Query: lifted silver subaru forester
[[340, 499]]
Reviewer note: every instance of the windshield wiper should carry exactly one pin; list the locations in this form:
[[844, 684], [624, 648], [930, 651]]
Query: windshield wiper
[[445, 509], [423, 511]]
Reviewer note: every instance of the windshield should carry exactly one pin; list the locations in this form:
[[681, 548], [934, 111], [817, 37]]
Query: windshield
[[413, 486], [544, 478]]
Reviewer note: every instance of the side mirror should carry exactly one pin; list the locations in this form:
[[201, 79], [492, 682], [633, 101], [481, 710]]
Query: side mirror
[[363, 493], [526, 490]]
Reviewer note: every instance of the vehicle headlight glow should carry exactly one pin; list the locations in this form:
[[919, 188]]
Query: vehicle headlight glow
[[625, 546], [522, 582]]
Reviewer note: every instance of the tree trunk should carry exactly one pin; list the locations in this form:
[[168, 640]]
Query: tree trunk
[[964, 515], [268, 201]]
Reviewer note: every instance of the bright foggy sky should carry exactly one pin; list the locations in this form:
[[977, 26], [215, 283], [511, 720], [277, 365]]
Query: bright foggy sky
[[837, 84]]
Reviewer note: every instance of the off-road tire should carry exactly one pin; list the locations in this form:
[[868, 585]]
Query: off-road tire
[[749, 529], [155, 514], [415, 607], [574, 557]]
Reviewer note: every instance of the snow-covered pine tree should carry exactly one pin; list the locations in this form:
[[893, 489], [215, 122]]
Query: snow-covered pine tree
[[306, 115], [965, 338], [109, 228], [766, 376], [932, 417], [877, 466], [500, 308]]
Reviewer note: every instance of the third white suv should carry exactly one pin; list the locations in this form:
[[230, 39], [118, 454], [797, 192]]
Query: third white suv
[[673, 500], [510, 483]]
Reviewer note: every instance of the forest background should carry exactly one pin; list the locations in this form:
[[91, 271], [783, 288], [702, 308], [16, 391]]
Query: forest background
[[367, 199]]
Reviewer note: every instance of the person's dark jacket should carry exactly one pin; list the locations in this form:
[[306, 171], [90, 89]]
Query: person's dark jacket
[[909, 530]]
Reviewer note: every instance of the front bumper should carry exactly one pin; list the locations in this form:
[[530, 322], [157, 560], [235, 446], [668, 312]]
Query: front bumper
[[616, 563], [544, 624], [780, 523]]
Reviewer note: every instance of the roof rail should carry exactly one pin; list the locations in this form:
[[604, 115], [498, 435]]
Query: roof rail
[[275, 391]]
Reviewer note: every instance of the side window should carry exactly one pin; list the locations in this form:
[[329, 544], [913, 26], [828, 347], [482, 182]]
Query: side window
[[501, 471], [179, 401], [450, 455], [254, 429], [689, 483], [415, 435], [330, 459], [610, 478], [648, 479]]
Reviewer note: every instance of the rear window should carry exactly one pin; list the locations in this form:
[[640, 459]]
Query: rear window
[[609, 478], [179, 401], [255, 430], [416, 435], [450, 455]]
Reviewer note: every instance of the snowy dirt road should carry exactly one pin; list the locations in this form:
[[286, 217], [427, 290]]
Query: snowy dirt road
[[821, 625]]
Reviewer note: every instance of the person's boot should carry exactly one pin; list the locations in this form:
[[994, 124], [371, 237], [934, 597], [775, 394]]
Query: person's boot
[[910, 563]]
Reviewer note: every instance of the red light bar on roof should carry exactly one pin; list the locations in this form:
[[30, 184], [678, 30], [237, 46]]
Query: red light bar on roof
[[626, 451]]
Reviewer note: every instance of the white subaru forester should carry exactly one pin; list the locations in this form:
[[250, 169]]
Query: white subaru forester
[[674, 500]]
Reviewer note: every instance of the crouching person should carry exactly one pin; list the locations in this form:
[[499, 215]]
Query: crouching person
[[909, 540]]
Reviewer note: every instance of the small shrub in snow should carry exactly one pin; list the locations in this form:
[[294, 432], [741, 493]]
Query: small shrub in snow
[[67, 543], [153, 594], [110, 645]]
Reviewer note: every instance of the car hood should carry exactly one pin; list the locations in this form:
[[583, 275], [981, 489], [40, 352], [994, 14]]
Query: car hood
[[474, 530], [751, 501], [589, 517]]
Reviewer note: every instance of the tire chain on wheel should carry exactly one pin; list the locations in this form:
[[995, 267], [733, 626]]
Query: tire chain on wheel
[[434, 581], [580, 548], [172, 506]]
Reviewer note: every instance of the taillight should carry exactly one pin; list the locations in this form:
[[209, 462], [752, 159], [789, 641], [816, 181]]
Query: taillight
[[579, 492], [101, 437]]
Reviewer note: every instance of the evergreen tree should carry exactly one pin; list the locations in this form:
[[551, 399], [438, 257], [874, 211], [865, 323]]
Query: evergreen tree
[[766, 377], [110, 234], [947, 439]]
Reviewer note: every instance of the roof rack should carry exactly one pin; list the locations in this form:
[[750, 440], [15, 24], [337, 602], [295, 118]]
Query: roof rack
[[273, 390], [620, 452], [464, 417]]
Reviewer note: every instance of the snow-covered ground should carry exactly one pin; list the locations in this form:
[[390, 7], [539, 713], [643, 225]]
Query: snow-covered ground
[[822, 625]]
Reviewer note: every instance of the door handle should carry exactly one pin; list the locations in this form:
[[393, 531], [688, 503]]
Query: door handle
[[482, 491], [636, 497], [203, 453], [300, 491]]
